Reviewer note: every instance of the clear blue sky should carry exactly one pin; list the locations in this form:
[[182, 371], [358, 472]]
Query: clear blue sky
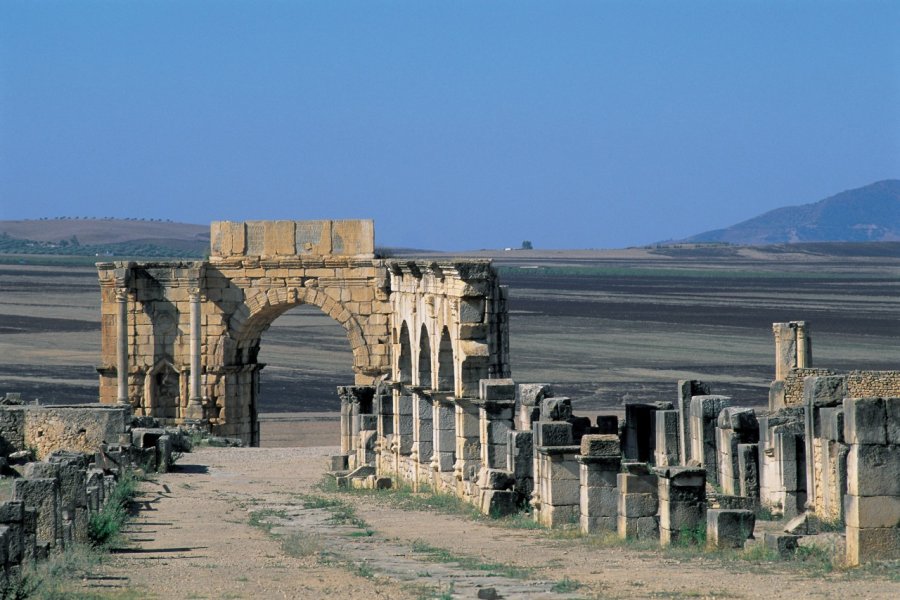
[[454, 125]]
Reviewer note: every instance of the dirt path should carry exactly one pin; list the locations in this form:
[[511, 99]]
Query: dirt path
[[250, 523]]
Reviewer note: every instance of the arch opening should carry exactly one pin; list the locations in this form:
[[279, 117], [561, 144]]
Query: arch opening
[[299, 355], [445, 379], [404, 362], [424, 359]]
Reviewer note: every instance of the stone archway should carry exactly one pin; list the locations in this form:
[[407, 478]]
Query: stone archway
[[246, 331], [205, 318]]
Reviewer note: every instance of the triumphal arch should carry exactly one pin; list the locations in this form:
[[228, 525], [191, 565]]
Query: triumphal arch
[[180, 340]]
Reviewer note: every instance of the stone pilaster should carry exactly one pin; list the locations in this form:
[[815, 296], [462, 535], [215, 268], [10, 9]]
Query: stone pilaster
[[194, 410], [122, 345]]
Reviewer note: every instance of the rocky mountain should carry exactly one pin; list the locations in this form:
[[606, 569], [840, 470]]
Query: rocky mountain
[[869, 213]]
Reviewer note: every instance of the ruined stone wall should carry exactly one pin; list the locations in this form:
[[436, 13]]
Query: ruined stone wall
[[860, 384], [793, 385], [53, 499], [46, 429], [865, 384]]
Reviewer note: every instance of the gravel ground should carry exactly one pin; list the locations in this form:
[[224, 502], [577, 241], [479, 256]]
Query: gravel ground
[[193, 538]]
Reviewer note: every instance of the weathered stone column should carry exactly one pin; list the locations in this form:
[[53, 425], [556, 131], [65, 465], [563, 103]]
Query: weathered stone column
[[495, 420], [444, 435], [496, 404], [687, 389], [422, 437], [804, 346], [704, 416], [528, 403], [667, 443], [638, 502], [557, 477], [819, 395], [872, 429], [384, 411], [682, 504], [195, 399], [468, 446], [122, 345], [735, 426], [793, 347], [600, 461]]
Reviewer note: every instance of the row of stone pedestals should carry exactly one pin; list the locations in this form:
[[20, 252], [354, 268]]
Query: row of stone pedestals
[[518, 444]]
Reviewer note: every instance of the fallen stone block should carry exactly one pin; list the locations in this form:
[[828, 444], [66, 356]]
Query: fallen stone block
[[782, 544], [729, 528], [361, 472], [495, 479], [498, 503], [339, 462], [224, 442], [146, 437]]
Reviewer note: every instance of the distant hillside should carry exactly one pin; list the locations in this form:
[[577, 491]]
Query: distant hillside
[[103, 231], [104, 237], [870, 213]]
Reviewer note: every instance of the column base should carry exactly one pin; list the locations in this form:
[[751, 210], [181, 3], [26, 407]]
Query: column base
[[194, 411]]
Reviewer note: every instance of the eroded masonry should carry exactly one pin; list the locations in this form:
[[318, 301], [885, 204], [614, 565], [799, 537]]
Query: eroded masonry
[[432, 403], [180, 340]]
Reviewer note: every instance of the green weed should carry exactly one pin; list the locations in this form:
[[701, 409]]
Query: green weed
[[59, 577], [565, 585], [104, 526], [442, 555], [260, 518], [364, 570]]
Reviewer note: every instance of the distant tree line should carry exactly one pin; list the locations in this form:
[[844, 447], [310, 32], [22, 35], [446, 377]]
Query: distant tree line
[[103, 219], [72, 247]]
